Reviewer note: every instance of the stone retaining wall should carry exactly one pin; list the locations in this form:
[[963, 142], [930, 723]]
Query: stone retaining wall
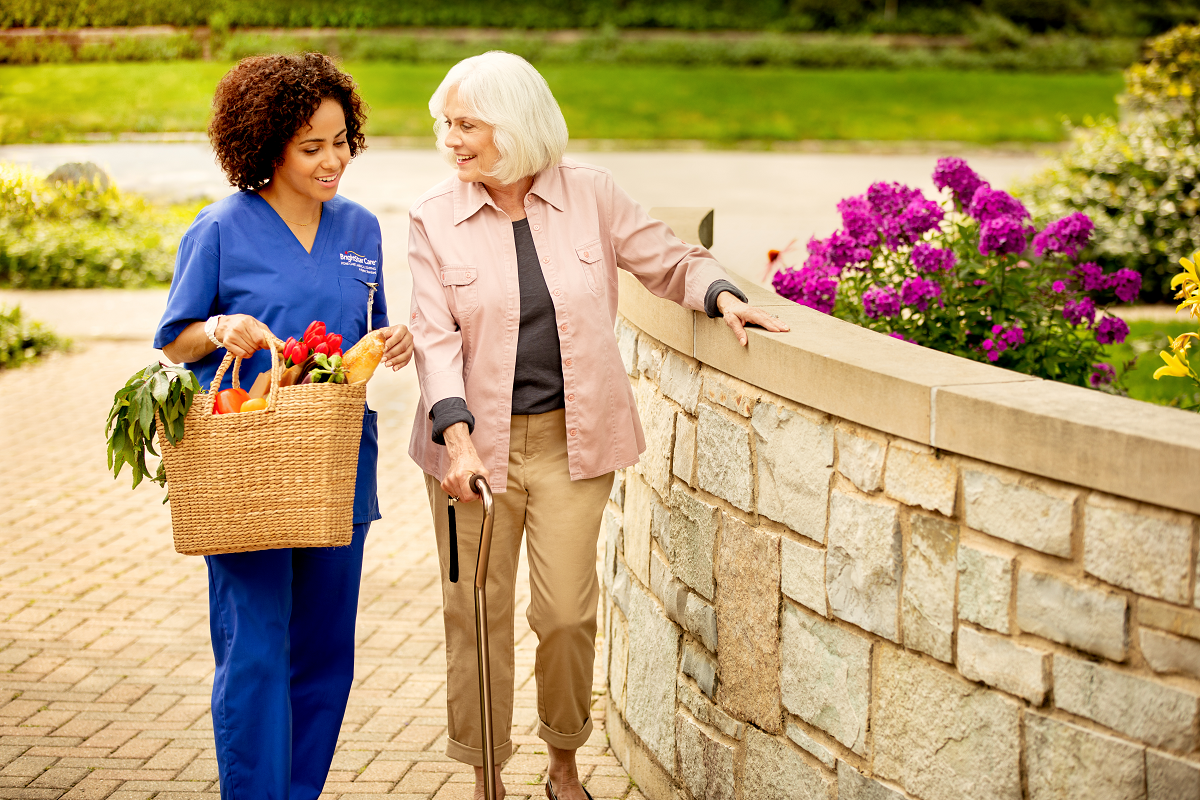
[[850, 567]]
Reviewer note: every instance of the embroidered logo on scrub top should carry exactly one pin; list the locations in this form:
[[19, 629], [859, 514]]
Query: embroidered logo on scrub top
[[370, 266]]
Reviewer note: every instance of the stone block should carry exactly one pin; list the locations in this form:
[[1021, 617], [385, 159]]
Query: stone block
[[700, 620], [1090, 619], [679, 379], [853, 785], [707, 713], [863, 564], [618, 659], [627, 345], [794, 465], [803, 575], [636, 532], [1170, 654], [1145, 551], [773, 770], [660, 577], [720, 389], [612, 543], [649, 357], [826, 677], [747, 624], [984, 587], [693, 535], [1067, 761], [860, 458], [658, 424], [916, 477], [1171, 778], [1028, 512], [941, 737], [930, 576], [617, 495], [622, 586], [1180, 621], [660, 523], [650, 680], [999, 661], [700, 667], [705, 763], [810, 745], [1152, 712], [723, 458], [683, 461]]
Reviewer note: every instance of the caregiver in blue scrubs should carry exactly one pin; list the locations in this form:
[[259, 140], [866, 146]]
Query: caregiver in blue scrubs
[[279, 253]]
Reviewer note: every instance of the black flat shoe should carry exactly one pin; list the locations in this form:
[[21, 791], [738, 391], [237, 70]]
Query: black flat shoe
[[552, 796]]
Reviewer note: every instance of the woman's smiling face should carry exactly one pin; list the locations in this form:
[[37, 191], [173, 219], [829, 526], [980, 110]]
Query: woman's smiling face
[[316, 157], [471, 141]]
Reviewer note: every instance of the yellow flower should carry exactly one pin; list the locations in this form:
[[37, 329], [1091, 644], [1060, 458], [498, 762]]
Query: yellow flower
[[1188, 284], [1177, 366], [1181, 343]]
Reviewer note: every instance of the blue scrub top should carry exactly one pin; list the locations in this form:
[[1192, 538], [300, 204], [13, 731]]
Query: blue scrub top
[[239, 257]]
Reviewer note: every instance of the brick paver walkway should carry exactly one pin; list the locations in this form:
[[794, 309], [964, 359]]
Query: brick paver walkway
[[105, 664]]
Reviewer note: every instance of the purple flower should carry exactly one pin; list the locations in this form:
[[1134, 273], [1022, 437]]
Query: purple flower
[[1002, 236], [929, 259], [979, 282], [1058, 287], [1102, 375], [1068, 235], [1014, 337], [842, 250], [917, 292], [1126, 283], [988, 204], [1079, 312], [901, 337], [962, 181], [889, 199], [919, 217], [1111, 329], [881, 301], [860, 222], [1091, 277], [809, 286]]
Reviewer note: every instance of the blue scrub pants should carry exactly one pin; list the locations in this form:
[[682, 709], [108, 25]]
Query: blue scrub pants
[[283, 635]]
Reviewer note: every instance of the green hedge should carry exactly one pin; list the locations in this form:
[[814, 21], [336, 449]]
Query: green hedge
[[1097, 17], [82, 235], [1054, 53], [22, 340]]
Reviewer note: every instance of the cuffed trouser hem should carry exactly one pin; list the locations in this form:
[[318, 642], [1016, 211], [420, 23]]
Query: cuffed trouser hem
[[565, 741], [474, 755]]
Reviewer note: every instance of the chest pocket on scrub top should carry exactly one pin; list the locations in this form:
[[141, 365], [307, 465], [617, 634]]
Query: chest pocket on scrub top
[[591, 258], [462, 290], [358, 302]]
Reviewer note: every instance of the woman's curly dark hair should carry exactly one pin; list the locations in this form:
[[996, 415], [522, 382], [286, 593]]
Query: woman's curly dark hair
[[262, 102]]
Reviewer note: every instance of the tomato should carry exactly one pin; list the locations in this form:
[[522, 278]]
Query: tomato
[[230, 400], [255, 404]]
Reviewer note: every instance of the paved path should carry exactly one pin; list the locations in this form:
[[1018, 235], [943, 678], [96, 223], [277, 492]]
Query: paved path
[[105, 661]]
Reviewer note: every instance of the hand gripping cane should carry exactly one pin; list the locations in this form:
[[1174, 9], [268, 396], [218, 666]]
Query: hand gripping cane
[[479, 484]]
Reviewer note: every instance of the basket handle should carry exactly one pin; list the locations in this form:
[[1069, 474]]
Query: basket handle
[[274, 345]]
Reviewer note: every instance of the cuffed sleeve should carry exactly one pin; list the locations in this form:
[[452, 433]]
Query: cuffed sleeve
[[449, 412], [714, 290]]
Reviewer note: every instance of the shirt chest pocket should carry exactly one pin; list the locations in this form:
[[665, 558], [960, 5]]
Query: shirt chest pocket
[[591, 258], [462, 289]]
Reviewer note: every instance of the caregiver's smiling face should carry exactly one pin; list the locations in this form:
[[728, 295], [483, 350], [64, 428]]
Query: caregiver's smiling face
[[471, 141]]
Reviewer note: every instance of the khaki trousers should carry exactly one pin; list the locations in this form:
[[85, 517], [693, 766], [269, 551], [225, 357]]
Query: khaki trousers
[[561, 519]]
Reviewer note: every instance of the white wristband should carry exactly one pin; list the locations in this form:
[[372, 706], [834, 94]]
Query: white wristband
[[210, 330]]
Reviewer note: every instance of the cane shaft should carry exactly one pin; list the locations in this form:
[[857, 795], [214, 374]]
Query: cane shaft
[[481, 636]]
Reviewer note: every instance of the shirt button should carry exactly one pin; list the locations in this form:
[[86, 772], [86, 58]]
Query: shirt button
[[537, 227], [563, 327], [557, 292], [573, 431], [570, 397], [545, 259], [569, 362], [587, 254]]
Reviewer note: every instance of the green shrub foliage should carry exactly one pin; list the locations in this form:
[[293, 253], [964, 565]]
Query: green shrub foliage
[[1137, 178], [80, 235], [22, 340]]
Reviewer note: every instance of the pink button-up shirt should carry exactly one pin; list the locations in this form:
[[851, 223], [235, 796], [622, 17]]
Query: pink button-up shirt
[[466, 309]]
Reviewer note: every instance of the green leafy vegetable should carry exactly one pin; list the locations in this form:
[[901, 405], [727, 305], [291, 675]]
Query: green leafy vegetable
[[132, 421]]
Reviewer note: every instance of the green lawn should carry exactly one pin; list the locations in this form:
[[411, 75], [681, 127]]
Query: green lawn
[[62, 102], [1147, 338]]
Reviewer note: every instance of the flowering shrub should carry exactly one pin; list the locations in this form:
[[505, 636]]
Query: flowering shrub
[[1177, 365], [959, 276], [1139, 178]]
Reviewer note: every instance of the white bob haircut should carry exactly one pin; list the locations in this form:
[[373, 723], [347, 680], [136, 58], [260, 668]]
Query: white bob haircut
[[505, 91]]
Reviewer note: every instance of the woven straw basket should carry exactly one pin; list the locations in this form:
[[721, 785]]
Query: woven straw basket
[[260, 480]]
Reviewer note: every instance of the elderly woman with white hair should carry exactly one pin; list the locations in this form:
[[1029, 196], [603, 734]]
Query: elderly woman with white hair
[[514, 267]]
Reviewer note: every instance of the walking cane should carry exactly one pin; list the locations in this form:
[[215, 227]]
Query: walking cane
[[479, 484]]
